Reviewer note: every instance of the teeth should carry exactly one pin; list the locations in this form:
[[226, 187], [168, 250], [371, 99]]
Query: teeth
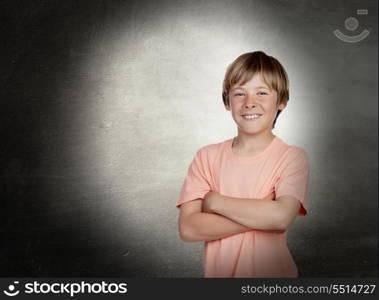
[[251, 116]]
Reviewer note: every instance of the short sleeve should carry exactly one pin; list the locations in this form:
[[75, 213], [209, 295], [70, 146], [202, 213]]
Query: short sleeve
[[196, 184], [294, 179]]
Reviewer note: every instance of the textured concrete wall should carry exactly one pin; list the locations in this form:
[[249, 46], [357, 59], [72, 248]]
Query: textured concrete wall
[[104, 104]]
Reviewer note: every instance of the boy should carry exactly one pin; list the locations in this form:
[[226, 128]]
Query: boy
[[241, 195]]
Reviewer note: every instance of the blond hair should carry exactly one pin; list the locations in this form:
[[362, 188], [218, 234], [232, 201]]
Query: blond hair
[[244, 67]]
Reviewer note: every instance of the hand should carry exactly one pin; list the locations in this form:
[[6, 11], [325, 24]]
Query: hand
[[209, 199], [270, 196]]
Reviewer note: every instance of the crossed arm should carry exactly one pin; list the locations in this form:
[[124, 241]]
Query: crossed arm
[[219, 216]]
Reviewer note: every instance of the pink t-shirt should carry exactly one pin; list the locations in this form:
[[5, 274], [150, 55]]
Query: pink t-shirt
[[280, 167]]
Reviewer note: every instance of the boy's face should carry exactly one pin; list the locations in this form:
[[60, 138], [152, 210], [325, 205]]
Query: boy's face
[[256, 99]]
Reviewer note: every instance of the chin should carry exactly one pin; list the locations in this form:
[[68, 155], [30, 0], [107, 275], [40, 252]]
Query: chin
[[250, 132], [254, 131]]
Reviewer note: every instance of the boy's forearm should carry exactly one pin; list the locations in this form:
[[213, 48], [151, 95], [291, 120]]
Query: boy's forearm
[[208, 227], [260, 214]]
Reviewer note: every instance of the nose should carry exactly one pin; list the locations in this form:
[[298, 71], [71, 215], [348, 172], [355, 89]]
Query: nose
[[250, 103]]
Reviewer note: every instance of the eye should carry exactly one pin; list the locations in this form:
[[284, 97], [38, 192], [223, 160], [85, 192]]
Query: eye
[[239, 94], [262, 93]]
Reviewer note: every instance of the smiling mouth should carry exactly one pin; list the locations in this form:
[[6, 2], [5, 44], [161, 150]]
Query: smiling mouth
[[251, 117]]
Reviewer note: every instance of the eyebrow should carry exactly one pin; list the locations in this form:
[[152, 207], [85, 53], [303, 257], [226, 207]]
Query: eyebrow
[[241, 87]]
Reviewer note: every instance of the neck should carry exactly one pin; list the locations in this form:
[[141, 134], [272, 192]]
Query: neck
[[251, 143]]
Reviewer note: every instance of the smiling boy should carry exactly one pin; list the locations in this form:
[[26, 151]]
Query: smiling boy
[[241, 195]]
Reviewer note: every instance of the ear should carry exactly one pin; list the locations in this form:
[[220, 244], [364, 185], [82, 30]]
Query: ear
[[227, 107], [282, 106]]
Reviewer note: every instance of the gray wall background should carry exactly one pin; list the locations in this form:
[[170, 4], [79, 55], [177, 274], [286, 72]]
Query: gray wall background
[[104, 104]]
